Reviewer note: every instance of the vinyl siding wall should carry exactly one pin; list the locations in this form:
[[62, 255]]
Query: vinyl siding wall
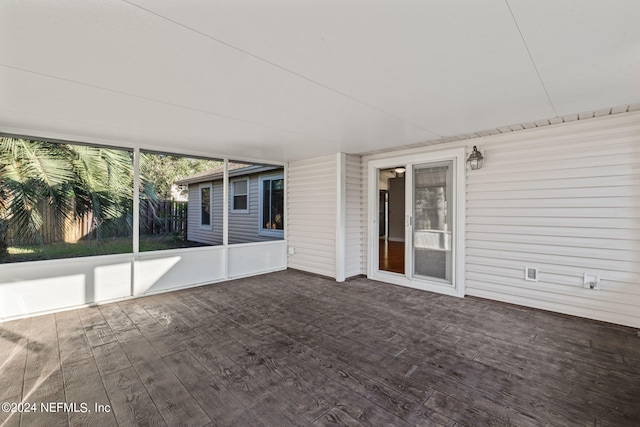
[[312, 207], [564, 199], [194, 231], [355, 208], [218, 197], [243, 227]]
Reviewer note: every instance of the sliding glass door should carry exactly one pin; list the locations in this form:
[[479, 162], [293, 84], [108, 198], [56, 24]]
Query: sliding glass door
[[417, 218], [432, 224]]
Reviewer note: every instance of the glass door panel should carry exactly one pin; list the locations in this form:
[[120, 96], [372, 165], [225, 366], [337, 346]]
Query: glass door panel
[[432, 221], [391, 217]]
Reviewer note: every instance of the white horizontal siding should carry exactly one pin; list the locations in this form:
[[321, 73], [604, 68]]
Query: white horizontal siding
[[562, 198], [567, 201], [311, 214], [355, 225]]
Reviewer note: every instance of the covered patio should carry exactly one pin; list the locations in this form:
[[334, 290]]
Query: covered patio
[[441, 223], [292, 348]]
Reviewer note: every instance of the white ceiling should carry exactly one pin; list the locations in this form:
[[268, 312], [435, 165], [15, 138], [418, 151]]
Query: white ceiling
[[284, 80]]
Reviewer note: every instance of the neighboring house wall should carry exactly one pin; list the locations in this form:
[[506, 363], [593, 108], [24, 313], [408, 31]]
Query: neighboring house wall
[[196, 233], [243, 227], [216, 232], [311, 215], [355, 208], [565, 199]]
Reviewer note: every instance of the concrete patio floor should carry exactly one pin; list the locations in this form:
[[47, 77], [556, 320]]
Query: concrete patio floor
[[290, 348]]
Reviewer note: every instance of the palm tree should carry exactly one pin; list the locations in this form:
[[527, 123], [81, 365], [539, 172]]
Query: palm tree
[[102, 187], [73, 180]]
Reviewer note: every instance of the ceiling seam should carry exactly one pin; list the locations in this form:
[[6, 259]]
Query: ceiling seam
[[533, 62], [159, 101], [280, 67]]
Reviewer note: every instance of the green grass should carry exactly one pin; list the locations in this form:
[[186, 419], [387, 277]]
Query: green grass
[[120, 245]]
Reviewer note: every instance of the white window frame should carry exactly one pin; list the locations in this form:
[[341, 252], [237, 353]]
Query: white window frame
[[210, 187], [233, 194], [268, 231]]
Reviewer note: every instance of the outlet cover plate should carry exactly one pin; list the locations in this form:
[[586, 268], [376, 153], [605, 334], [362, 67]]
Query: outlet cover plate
[[591, 281], [531, 274]]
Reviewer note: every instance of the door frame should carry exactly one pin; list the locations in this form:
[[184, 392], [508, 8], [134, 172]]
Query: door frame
[[457, 155]]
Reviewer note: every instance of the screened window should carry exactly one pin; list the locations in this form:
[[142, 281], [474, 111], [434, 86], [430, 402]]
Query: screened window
[[254, 217], [240, 195], [176, 201], [272, 205], [63, 200]]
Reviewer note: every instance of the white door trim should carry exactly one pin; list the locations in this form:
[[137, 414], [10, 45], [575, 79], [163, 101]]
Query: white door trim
[[459, 196]]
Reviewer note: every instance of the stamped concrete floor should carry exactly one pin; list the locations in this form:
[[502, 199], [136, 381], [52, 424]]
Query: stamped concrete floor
[[290, 348]]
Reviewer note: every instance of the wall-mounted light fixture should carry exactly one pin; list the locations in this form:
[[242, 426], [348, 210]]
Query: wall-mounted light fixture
[[475, 160], [400, 169]]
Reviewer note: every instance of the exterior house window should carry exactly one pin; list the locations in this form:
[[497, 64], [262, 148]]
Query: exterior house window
[[272, 205], [206, 206], [240, 196]]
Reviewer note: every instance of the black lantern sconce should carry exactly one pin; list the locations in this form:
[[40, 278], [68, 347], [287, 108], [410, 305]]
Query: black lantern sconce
[[475, 160]]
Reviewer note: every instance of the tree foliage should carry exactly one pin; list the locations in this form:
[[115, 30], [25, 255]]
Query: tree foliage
[[161, 171], [73, 180]]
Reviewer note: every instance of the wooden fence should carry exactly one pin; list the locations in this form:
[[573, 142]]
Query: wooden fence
[[156, 218], [164, 217], [50, 232]]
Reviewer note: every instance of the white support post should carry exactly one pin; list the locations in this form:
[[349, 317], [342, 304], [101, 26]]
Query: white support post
[[285, 233], [136, 202], [341, 216], [136, 217], [225, 217]]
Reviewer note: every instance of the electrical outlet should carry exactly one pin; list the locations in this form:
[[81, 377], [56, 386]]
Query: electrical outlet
[[591, 281], [531, 274], [292, 250]]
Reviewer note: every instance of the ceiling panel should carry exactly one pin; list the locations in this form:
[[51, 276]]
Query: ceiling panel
[[148, 60], [52, 106], [284, 80], [587, 52], [416, 60]]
